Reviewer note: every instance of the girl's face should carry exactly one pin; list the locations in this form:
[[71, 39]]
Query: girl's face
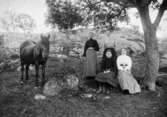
[[108, 54], [123, 52]]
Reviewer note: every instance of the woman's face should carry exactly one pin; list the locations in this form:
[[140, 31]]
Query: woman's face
[[108, 54], [123, 52]]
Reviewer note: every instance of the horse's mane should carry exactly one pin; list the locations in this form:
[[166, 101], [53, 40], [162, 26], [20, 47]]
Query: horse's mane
[[44, 41]]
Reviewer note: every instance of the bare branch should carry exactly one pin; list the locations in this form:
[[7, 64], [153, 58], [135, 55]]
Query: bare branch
[[162, 9]]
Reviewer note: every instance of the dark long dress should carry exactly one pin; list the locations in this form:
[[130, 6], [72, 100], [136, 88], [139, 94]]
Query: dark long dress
[[90, 66], [108, 64], [91, 63]]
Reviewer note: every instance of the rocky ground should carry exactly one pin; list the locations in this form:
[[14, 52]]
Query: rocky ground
[[19, 101]]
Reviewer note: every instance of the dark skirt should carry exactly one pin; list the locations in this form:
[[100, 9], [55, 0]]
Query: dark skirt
[[107, 78], [90, 66]]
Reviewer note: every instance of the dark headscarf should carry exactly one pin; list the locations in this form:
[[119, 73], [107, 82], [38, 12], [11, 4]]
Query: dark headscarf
[[109, 63]]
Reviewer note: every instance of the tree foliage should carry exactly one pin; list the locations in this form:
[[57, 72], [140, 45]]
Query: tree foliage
[[63, 14], [103, 14], [149, 29]]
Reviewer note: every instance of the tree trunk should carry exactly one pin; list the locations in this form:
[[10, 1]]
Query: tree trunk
[[152, 57], [151, 43]]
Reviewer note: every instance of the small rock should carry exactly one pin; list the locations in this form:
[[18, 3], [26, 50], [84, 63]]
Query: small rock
[[19, 68], [39, 97], [107, 97], [87, 95]]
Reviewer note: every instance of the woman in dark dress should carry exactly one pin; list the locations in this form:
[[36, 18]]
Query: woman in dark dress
[[109, 71], [90, 49]]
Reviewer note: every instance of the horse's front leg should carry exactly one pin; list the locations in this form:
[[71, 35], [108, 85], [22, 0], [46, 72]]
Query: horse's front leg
[[43, 75], [37, 74], [22, 74], [27, 69]]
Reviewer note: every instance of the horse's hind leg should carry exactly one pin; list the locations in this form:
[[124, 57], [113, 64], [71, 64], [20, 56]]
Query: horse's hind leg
[[27, 76], [43, 75], [37, 74], [22, 74]]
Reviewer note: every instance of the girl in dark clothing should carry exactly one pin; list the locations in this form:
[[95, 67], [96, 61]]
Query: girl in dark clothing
[[109, 60], [109, 71]]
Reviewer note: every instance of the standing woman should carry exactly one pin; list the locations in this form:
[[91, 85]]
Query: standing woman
[[90, 49], [126, 80]]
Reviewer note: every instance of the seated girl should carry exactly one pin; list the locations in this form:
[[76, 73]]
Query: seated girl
[[109, 70], [126, 80]]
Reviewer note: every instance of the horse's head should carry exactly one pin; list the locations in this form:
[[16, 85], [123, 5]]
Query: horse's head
[[45, 45]]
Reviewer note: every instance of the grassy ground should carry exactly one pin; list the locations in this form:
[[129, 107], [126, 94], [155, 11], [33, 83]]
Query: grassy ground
[[18, 101]]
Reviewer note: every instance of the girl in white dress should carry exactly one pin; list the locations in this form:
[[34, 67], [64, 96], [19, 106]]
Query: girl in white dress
[[125, 77]]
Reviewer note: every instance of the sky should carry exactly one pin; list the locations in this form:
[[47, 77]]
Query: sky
[[37, 9]]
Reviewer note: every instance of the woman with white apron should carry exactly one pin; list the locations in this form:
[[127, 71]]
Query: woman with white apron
[[126, 80]]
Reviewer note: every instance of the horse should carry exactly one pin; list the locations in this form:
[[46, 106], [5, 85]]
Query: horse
[[34, 53]]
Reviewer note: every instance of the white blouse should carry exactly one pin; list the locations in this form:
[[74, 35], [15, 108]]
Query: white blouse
[[124, 62]]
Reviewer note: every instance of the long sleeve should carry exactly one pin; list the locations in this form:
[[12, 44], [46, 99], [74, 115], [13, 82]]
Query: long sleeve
[[124, 60], [102, 65], [129, 63], [91, 43], [85, 48], [119, 63], [96, 46], [115, 69]]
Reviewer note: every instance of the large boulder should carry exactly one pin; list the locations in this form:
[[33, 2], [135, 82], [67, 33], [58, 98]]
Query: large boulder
[[123, 39], [72, 81], [52, 87], [56, 85]]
